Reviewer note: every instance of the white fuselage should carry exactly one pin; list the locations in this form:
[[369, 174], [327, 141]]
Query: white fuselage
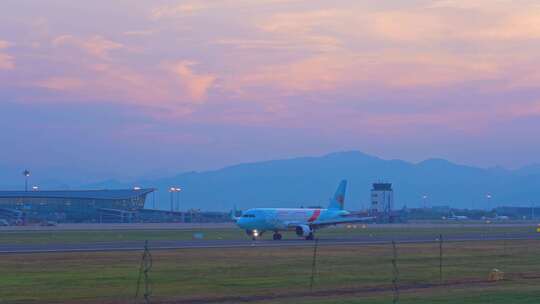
[[279, 219]]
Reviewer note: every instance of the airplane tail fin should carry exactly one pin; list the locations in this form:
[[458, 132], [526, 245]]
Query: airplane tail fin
[[233, 214], [339, 198]]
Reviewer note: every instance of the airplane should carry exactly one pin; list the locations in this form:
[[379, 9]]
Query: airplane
[[304, 221], [454, 217], [496, 218]]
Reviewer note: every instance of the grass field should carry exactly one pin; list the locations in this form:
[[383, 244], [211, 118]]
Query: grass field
[[66, 236], [344, 274]]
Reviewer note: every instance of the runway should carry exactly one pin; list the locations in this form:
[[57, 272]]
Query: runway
[[217, 244], [230, 225]]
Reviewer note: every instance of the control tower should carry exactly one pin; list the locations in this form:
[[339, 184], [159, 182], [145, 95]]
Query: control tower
[[382, 199]]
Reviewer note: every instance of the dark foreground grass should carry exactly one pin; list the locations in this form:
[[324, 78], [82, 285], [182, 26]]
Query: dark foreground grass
[[345, 274], [63, 236], [506, 292]]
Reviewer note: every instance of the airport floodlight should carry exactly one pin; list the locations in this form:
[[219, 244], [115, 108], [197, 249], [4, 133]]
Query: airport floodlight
[[136, 188], [174, 190], [26, 174], [35, 188], [488, 196]]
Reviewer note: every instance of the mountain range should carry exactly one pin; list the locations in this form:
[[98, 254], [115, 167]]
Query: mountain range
[[310, 181]]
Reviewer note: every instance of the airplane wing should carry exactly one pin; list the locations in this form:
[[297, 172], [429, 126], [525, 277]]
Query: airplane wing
[[332, 222], [344, 220]]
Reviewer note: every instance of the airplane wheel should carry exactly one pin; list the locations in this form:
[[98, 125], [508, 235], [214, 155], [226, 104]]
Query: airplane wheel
[[310, 237], [277, 236]]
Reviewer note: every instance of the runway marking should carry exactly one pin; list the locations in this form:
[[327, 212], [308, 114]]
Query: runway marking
[[255, 244]]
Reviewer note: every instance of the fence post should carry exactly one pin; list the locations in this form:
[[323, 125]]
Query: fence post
[[440, 259], [144, 269], [313, 264], [395, 279]]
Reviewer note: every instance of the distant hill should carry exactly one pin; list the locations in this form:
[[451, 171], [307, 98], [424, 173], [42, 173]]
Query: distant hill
[[309, 181]]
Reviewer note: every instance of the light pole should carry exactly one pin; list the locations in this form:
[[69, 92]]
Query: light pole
[[424, 199], [154, 199], [26, 174], [488, 198], [178, 190], [173, 190]]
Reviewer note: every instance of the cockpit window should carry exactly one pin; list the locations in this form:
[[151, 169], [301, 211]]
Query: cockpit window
[[248, 215]]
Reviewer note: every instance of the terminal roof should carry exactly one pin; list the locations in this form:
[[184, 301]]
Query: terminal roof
[[80, 194]]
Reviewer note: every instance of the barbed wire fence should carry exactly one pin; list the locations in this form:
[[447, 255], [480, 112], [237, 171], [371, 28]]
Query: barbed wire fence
[[144, 270], [438, 267], [440, 258], [314, 264], [395, 272]]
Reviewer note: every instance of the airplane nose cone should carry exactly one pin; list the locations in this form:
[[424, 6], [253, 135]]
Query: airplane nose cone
[[241, 222]]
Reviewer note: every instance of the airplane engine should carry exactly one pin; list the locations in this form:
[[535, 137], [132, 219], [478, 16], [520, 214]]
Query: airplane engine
[[303, 230], [253, 233]]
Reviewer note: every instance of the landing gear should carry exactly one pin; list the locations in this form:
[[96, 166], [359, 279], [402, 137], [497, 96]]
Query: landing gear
[[310, 237], [276, 236], [254, 234]]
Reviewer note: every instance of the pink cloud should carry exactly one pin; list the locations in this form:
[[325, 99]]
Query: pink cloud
[[521, 109], [4, 44], [195, 85], [175, 10], [96, 45], [7, 62], [60, 83], [178, 89], [346, 70], [139, 33]]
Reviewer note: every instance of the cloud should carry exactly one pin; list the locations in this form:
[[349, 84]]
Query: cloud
[[300, 22], [139, 33], [7, 62], [471, 5], [521, 109], [250, 44], [96, 45], [168, 11], [473, 22], [174, 88], [4, 44], [195, 85], [60, 83], [346, 71], [191, 7], [316, 73]]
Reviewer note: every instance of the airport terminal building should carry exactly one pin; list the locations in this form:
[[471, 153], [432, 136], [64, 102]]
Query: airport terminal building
[[72, 205]]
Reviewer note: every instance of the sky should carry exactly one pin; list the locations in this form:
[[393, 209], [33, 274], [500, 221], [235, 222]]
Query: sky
[[120, 89]]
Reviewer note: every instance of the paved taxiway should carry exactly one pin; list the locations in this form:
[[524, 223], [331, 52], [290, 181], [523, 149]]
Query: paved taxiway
[[192, 226], [172, 245]]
